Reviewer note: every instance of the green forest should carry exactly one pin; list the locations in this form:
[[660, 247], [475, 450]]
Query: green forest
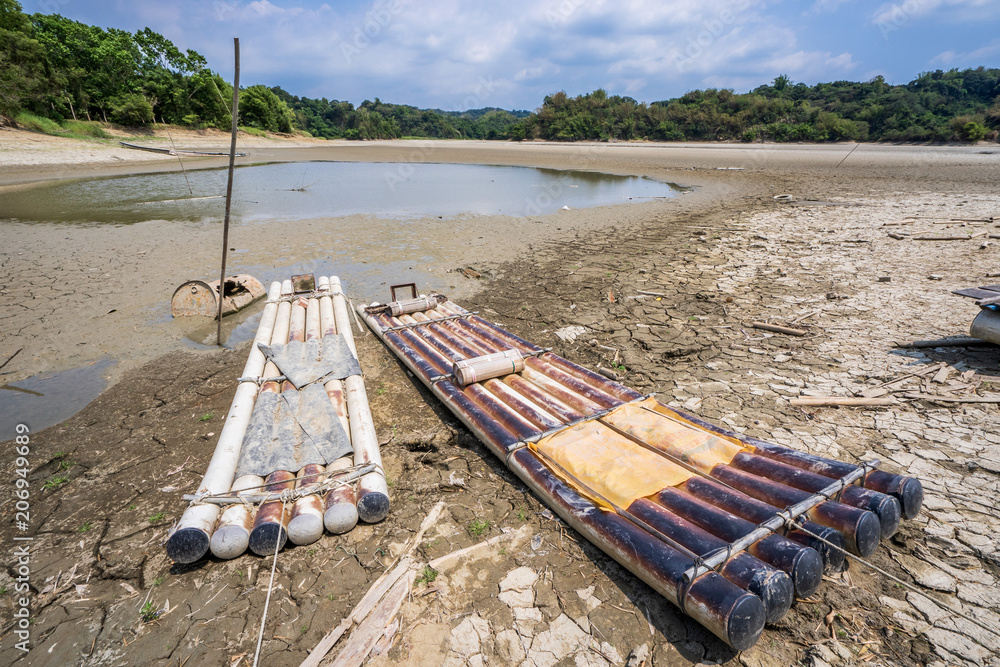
[[64, 77]]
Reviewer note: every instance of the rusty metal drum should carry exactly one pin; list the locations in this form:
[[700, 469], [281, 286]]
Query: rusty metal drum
[[201, 297]]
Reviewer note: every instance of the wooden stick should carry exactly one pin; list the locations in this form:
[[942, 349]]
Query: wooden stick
[[448, 560], [10, 358], [944, 342], [886, 387], [840, 400], [954, 399], [806, 316], [783, 330], [229, 188], [947, 238]]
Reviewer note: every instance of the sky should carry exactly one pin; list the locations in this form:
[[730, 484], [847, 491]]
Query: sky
[[458, 54]]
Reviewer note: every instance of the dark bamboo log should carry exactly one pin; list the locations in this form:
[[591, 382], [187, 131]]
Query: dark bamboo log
[[501, 412], [550, 403], [861, 529], [802, 564], [608, 386], [771, 585], [907, 490], [572, 383], [757, 512], [731, 613], [527, 409], [560, 391], [885, 507], [270, 526]]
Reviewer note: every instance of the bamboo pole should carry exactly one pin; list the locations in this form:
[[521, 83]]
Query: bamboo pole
[[373, 492], [232, 534], [190, 539], [819, 401], [340, 507], [777, 329], [229, 188]]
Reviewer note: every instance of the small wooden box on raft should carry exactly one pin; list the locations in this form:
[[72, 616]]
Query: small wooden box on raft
[[201, 297], [261, 510], [728, 528]]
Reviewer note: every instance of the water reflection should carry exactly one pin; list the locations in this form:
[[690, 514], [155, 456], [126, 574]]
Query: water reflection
[[291, 191]]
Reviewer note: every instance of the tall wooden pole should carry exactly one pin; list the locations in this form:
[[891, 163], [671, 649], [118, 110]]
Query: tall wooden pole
[[229, 188]]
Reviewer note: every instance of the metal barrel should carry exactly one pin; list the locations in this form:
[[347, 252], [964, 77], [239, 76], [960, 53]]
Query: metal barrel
[[802, 564], [757, 512], [306, 523], [986, 326], [771, 585], [729, 612], [861, 529], [341, 504], [907, 490], [885, 507], [232, 534], [269, 531]]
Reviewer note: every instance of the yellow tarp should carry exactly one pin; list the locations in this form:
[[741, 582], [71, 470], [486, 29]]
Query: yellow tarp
[[663, 429], [620, 470]]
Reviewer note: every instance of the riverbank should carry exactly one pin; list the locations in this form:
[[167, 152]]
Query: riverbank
[[718, 259]]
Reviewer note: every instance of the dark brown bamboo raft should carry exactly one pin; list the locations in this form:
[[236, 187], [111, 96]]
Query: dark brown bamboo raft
[[728, 528]]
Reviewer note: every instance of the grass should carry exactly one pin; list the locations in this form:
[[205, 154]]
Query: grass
[[159, 580], [55, 482], [3, 591], [75, 129], [521, 514], [149, 612], [159, 516], [66, 465], [479, 527], [427, 575], [86, 526], [253, 131], [381, 391], [205, 417]]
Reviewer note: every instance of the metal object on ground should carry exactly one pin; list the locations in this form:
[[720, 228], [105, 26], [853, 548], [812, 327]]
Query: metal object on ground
[[986, 326], [649, 485], [201, 297]]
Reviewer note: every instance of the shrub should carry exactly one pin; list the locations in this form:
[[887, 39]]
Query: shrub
[[33, 123]]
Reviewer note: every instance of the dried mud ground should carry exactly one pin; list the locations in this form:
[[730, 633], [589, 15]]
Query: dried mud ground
[[543, 595]]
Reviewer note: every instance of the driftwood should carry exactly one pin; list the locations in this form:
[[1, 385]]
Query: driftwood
[[944, 342], [840, 400], [373, 628], [891, 385], [387, 583], [783, 330], [967, 237]]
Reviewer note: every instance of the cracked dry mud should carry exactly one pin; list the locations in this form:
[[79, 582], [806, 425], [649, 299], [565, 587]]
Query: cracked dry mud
[[544, 596]]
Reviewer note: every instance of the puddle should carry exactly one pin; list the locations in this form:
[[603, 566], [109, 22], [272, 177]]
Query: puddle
[[301, 190], [43, 400]]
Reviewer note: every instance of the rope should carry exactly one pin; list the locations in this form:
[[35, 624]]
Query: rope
[[267, 600], [795, 523]]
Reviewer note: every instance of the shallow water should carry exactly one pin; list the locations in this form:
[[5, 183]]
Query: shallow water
[[293, 191], [43, 400]]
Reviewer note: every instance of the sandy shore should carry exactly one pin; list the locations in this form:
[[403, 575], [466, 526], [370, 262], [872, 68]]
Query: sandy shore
[[720, 258]]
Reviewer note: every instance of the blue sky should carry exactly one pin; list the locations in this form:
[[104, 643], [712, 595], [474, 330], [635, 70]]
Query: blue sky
[[455, 54]]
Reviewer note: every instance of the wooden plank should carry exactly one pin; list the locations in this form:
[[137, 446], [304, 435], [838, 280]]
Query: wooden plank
[[942, 375], [954, 399], [371, 630], [840, 400], [975, 293]]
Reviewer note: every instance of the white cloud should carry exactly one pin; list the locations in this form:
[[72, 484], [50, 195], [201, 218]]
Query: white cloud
[[949, 58], [899, 13]]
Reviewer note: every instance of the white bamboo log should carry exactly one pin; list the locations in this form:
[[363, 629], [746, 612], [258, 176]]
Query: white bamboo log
[[270, 527], [306, 524], [341, 504], [232, 534], [190, 540], [373, 492]]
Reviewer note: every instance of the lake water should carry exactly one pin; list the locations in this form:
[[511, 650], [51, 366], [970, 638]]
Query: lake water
[[300, 190]]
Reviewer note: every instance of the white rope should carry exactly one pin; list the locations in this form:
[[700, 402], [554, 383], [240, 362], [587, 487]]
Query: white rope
[[270, 586]]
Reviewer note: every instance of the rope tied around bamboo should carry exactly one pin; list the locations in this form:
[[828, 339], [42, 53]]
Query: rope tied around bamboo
[[346, 478]]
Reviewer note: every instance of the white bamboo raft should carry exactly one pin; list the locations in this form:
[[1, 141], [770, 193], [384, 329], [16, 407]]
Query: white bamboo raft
[[230, 514]]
